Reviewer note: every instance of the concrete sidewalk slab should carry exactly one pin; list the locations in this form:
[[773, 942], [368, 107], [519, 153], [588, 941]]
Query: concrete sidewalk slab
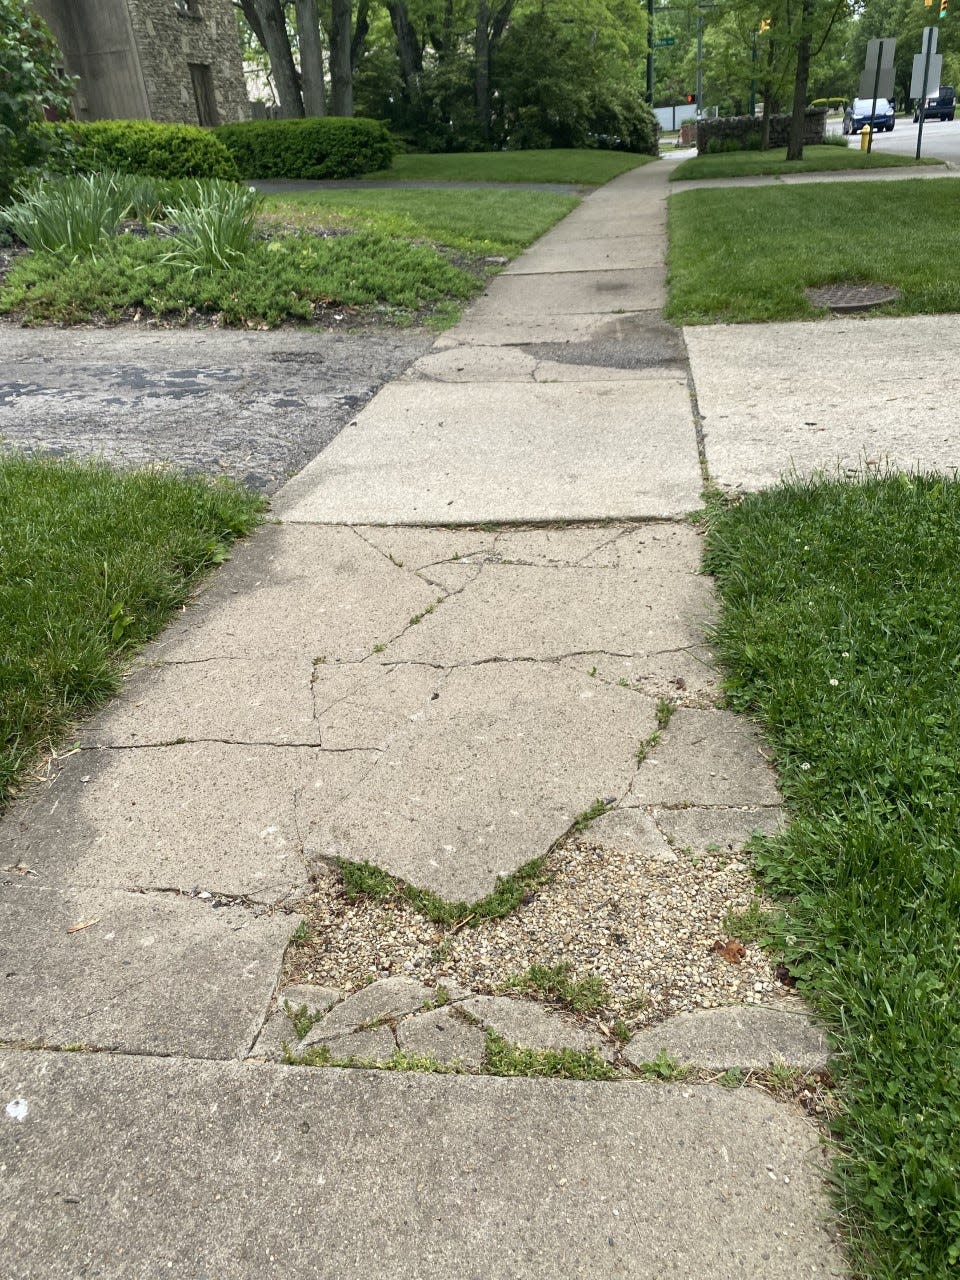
[[149, 973], [885, 392], [582, 254], [511, 298], [318, 593], [598, 330], [438, 454], [234, 700], [210, 815], [742, 1037], [487, 776], [707, 757], [517, 612], [127, 1168]]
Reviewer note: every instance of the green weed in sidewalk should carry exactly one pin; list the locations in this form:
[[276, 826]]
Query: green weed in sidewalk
[[91, 564], [840, 629]]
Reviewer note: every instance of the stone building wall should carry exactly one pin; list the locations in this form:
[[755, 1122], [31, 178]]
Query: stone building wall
[[170, 40], [168, 60]]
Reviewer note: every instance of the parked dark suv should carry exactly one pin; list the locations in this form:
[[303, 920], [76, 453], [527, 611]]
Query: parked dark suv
[[941, 105]]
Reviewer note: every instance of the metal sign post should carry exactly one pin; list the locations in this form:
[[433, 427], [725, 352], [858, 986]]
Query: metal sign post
[[928, 49], [877, 77]]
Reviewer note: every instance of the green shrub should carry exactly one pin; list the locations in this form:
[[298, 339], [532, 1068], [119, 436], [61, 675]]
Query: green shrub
[[622, 122], [71, 214], [329, 147], [29, 85], [143, 147]]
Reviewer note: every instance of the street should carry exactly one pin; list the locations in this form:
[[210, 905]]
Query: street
[[941, 138]]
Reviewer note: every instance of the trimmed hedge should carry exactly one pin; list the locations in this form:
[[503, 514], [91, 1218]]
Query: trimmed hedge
[[143, 147], [318, 147]]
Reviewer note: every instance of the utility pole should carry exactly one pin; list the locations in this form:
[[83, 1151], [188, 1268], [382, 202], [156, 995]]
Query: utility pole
[[699, 61], [650, 52]]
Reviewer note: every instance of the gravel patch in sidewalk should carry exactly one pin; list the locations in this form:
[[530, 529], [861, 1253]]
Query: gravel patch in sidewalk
[[647, 927]]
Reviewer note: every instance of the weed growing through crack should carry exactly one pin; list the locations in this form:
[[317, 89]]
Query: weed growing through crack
[[752, 924], [621, 1031], [583, 820], [554, 983], [663, 1067], [302, 1018], [301, 935], [441, 996], [364, 879], [665, 710], [501, 1058]]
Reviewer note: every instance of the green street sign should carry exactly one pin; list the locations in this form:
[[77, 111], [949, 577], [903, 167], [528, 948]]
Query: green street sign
[[665, 43]]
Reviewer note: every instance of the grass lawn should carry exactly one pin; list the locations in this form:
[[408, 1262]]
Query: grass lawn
[[93, 563], [748, 255], [484, 222], [744, 164], [585, 167], [397, 256], [840, 631]]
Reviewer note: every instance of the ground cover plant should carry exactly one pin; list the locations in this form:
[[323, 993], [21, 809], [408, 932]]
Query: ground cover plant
[[840, 630], [91, 564], [391, 255], [578, 166], [748, 255], [822, 159]]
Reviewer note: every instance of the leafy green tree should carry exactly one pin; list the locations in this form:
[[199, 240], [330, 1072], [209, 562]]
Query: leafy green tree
[[30, 86]]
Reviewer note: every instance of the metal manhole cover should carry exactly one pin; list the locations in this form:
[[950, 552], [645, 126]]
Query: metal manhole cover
[[852, 297]]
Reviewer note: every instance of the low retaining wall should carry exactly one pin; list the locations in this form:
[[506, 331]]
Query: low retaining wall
[[743, 132]]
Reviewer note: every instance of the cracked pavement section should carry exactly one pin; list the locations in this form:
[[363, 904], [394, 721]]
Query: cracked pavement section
[[145, 973], [411, 669]]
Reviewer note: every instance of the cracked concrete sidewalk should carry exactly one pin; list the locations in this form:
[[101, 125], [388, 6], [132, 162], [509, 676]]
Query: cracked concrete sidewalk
[[411, 669]]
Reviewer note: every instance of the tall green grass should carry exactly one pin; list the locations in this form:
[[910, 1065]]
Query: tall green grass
[[73, 215], [91, 564], [840, 629]]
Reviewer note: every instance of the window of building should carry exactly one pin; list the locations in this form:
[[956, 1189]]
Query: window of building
[[203, 93]]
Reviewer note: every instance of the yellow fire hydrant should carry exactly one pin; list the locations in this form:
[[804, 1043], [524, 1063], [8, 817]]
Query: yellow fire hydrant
[[865, 138]]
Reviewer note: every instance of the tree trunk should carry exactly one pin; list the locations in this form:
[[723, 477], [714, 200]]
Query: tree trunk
[[341, 70], [270, 24], [481, 65], [767, 89], [361, 29], [311, 58], [795, 145], [253, 19], [408, 48]]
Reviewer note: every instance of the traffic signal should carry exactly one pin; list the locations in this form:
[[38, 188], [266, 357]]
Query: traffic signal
[[692, 97], [943, 8], [765, 22]]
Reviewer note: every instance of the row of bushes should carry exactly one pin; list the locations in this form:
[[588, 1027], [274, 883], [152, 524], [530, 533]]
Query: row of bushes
[[316, 148]]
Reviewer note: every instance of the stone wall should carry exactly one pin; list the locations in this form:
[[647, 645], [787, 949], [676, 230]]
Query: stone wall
[[170, 36], [725, 131]]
